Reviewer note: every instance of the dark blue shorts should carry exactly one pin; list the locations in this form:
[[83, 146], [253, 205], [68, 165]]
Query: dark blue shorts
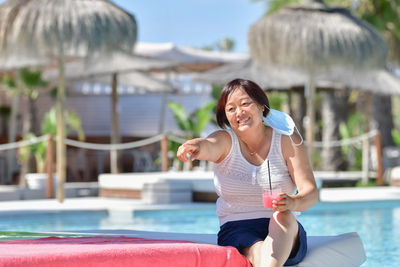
[[244, 233]]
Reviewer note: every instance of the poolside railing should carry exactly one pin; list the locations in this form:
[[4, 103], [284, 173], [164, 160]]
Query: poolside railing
[[164, 138], [364, 139]]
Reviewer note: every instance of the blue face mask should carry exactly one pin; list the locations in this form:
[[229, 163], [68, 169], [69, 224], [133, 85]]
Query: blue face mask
[[282, 123]]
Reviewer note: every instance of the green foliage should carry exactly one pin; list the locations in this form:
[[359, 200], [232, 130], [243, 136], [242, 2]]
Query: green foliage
[[28, 83], [216, 92], [384, 15], [5, 111], [207, 48], [192, 125], [49, 126], [38, 150], [180, 115], [276, 99], [275, 5], [9, 82], [72, 123], [396, 118], [353, 127], [54, 92], [32, 81], [223, 45], [316, 158], [226, 44], [9, 85], [396, 137], [201, 117], [172, 148], [371, 183], [7, 235]]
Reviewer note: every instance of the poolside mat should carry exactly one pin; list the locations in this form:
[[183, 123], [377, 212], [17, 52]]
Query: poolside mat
[[7, 235], [116, 251]]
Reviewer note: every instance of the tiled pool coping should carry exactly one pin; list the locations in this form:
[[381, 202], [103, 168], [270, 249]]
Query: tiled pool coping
[[99, 203]]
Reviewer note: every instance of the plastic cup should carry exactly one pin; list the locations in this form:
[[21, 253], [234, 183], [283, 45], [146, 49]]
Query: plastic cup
[[269, 196]]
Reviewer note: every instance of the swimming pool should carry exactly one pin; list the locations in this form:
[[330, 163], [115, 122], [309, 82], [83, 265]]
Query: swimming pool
[[377, 223]]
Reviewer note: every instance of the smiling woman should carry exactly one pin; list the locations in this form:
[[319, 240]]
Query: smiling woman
[[252, 158]]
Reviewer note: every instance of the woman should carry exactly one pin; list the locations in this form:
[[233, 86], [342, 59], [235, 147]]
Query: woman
[[250, 157]]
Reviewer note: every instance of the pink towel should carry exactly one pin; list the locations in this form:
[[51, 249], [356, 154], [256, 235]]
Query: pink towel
[[116, 251]]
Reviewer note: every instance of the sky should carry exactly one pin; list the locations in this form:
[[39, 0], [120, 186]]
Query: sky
[[195, 23]]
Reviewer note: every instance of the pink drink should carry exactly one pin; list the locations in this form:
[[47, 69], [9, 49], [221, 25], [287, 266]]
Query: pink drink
[[268, 197]]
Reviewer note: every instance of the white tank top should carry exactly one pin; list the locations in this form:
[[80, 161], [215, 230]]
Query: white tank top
[[240, 184]]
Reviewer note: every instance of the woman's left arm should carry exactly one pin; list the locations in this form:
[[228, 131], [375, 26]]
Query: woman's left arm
[[300, 170]]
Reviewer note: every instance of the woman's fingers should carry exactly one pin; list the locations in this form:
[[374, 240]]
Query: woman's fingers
[[280, 204], [182, 154], [187, 152]]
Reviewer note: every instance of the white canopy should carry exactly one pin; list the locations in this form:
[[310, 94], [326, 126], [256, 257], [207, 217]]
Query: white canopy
[[189, 58], [109, 64]]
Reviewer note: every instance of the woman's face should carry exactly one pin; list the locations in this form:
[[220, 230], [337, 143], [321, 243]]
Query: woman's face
[[242, 111]]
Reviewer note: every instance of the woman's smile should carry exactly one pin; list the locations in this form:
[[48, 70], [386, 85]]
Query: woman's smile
[[241, 110], [243, 120]]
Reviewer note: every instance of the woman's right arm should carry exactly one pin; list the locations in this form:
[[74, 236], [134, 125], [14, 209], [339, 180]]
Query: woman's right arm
[[213, 148]]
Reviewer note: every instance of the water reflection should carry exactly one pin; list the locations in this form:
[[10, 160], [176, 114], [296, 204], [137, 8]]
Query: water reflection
[[377, 223]]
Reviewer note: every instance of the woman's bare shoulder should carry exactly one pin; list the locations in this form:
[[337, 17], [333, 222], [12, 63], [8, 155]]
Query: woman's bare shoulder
[[221, 141], [291, 144], [220, 134]]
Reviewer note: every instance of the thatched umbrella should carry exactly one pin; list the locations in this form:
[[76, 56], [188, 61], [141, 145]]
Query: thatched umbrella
[[58, 29], [275, 79], [315, 39], [270, 78]]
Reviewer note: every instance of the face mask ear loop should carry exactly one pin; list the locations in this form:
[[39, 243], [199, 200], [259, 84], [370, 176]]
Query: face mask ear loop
[[268, 109], [301, 142]]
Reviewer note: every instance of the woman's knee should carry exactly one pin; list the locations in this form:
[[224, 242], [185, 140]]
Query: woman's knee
[[286, 221], [253, 253]]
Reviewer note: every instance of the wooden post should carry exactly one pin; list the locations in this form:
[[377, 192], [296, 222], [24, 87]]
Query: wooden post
[[115, 134], [365, 161], [164, 153], [310, 95], [49, 167], [379, 169], [61, 148]]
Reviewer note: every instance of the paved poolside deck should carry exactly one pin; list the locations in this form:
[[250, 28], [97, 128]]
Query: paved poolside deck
[[349, 194], [187, 186], [72, 190], [100, 203]]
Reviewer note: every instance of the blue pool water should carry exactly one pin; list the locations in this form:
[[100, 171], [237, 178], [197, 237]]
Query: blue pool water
[[377, 223]]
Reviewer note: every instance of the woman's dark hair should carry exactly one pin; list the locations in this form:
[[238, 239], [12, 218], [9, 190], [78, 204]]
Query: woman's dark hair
[[251, 88]]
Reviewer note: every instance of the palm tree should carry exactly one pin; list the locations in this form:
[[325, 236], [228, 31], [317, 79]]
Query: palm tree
[[26, 83], [49, 127], [192, 125], [384, 15], [60, 29], [318, 55]]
